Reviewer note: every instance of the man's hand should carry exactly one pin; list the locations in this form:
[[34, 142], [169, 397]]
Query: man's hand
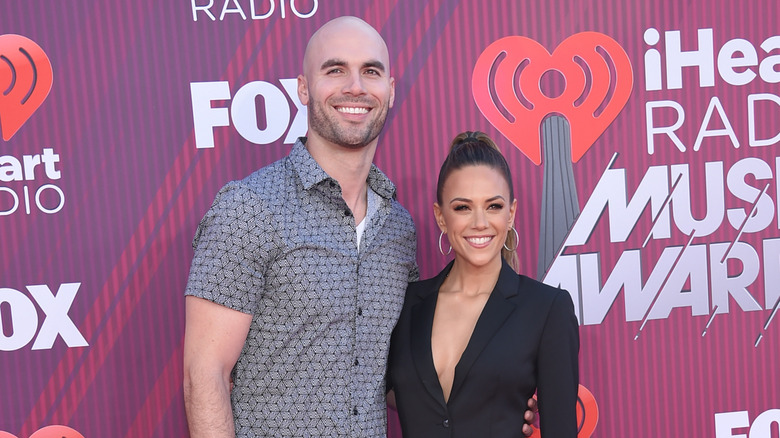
[[530, 417]]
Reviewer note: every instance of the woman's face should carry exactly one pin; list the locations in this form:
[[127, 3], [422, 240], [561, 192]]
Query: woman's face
[[476, 214]]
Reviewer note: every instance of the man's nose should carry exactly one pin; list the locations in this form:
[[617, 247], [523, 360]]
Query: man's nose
[[354, 84]]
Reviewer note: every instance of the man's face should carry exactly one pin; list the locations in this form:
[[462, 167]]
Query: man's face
[[346, 85]]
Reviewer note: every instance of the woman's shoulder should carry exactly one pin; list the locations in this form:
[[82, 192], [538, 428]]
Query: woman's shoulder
[[530, 283], [418, 290], [530, 288], [422, 283], [421, 288]]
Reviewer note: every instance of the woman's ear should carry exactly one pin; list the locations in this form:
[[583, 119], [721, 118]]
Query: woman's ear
[[439, 218], [512, 211]]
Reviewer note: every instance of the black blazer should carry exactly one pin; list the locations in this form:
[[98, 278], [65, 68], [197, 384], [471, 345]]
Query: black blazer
[[526, 339]]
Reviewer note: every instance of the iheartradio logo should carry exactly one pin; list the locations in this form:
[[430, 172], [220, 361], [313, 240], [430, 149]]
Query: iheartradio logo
[[25, 81], [553, 107], [508, 88]]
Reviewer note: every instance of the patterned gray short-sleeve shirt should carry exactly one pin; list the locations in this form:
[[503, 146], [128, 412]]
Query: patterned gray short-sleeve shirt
[[281, 245]]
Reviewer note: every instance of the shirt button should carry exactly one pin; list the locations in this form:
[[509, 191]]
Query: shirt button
[[360, 311], [445, 423], [347, 213], [357, 362], [354, 411]]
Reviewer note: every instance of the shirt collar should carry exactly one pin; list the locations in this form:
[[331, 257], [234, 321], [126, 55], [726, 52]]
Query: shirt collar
[[311, 174]]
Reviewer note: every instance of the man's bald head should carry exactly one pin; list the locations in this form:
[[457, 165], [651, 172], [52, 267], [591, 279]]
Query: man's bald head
[[340, 28]]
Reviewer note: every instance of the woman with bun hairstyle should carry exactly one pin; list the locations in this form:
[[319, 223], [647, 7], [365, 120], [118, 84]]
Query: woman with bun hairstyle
[[475, 342]]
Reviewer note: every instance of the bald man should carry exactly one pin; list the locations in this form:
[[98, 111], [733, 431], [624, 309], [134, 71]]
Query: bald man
[[300, 269]]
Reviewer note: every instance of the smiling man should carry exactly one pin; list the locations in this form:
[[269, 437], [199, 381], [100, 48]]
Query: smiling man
[[300, 269]]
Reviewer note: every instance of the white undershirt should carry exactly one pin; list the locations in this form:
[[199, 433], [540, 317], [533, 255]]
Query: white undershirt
[[372, 205]]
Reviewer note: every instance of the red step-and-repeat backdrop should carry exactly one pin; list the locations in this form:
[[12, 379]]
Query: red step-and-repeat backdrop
[[643, 136]]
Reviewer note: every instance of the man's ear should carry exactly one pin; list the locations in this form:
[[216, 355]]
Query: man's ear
[[303, 90], [392, 92]]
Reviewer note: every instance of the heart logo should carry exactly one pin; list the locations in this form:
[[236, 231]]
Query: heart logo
[[49, 432], [507, 87], [25, 81], [56, 432], [587, 414]]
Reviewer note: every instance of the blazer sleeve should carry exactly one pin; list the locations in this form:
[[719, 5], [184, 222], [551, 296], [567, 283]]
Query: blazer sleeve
[[558, 370]]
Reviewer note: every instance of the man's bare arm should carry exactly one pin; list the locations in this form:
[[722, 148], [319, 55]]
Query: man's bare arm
[[213, 338]]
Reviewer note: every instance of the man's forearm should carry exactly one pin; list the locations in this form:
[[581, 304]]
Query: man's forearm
[[209, 413], [213, 338]]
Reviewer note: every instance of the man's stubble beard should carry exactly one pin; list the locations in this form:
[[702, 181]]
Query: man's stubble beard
[[336, 133]]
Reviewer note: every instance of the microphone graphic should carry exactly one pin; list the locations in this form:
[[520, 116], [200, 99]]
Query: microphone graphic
[[506, 85], [25, 81]]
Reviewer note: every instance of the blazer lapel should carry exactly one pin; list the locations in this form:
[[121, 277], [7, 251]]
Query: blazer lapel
[[495, 312], [421, 326]]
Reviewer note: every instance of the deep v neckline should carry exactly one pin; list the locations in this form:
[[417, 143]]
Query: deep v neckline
[[496, 310], [474, 315]]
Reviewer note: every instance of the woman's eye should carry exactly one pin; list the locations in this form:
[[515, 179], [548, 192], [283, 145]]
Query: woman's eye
[[496, 206], [461, 208]]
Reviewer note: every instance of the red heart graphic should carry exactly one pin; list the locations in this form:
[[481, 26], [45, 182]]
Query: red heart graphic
[[587, 414], [25, 81], [594, 94], [49, 432], [56, 432]]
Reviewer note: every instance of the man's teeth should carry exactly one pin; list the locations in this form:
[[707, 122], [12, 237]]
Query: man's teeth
[[352, 110]]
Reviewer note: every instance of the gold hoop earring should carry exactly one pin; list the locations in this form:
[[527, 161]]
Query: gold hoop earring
[[441, 250], [517, 241]]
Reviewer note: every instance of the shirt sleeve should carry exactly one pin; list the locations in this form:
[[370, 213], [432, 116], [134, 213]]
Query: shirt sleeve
[[414, 273], [231, 250], [558, 370]]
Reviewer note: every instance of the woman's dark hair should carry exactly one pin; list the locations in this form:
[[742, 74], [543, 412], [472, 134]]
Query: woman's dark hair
[[475, 148]]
